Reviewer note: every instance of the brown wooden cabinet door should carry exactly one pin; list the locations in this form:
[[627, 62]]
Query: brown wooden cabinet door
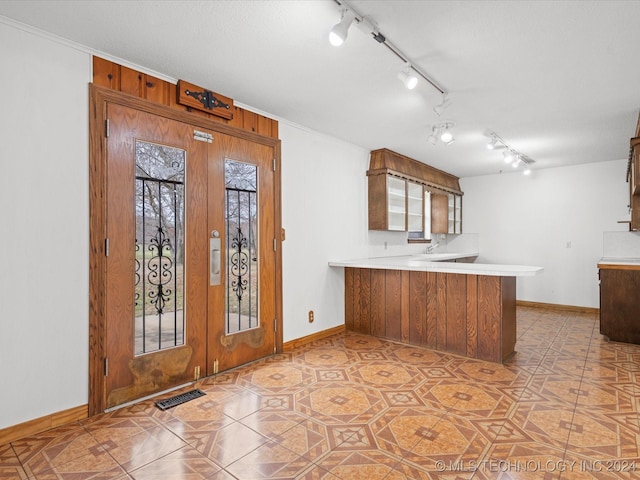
[[620, 304], [191, 267], [439, 213]]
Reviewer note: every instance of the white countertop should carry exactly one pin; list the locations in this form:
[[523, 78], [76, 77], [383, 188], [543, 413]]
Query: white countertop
[[619, 261], [424, 263]]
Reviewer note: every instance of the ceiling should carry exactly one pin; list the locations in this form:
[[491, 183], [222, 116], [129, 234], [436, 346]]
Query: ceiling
[[559, 81]]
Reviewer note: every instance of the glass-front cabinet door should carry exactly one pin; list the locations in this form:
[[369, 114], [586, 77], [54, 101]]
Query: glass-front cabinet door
[[415, 209], [455, 213], [396, 203]]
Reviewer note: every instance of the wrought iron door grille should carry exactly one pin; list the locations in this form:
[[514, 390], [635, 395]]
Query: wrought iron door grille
[[241, 239], [159, 247]]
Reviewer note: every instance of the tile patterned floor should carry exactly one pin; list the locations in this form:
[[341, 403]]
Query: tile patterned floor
[[356, 407]]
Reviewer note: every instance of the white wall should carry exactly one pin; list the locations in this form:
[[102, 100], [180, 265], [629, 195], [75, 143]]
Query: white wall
[[324, 214], [44, 233], [533, 220]]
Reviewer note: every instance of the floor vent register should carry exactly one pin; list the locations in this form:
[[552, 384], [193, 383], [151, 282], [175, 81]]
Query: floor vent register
[[179, 399]]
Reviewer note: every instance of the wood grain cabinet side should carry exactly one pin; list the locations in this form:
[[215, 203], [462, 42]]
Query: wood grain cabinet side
[[620, 304], [634, 184]]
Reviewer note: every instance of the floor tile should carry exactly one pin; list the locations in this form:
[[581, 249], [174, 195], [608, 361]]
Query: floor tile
[[565, 406], [10, 467], [185, 463], [228, 444], [142, 448]]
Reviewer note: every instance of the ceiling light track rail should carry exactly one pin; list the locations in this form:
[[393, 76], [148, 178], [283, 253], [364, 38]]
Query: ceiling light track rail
[[382, 39], [511, 155]]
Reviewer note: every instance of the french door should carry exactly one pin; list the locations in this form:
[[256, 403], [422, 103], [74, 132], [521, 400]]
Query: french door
[[190, 285]]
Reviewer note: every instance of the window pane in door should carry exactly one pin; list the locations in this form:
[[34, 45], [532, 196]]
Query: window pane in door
[[159, 248], [241, 181]]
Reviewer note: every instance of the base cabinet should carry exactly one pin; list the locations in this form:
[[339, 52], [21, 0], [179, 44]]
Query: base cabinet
[[470, 315], [620, 304]]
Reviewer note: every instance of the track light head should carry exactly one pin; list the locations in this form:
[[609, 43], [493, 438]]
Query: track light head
[[433, 138], [441, 132], [408, 78], [492, 143], [339, 32], [443, 105], [517, 162], [446, 137], [508, 156]]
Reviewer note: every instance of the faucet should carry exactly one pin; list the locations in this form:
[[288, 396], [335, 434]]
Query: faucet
[[431, 248]]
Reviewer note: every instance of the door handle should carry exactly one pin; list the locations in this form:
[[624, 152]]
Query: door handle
[[214, 267]]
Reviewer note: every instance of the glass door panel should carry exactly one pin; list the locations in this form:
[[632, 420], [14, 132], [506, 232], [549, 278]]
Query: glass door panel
[[415, 209], [241, 181], [396, 203], [159, 248]]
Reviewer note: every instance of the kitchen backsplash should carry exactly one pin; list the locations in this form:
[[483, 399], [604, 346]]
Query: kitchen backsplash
[[621, 245]]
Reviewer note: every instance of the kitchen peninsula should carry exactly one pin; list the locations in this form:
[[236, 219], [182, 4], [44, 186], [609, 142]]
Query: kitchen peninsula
[[463, 308]]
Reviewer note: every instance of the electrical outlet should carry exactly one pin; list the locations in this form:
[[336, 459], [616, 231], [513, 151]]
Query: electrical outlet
[[196, 373], [310, 316]]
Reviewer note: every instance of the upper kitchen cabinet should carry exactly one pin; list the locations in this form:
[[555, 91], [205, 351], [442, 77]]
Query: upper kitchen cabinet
[[446, 213], [408, 195], [633, 177], [390, 211]]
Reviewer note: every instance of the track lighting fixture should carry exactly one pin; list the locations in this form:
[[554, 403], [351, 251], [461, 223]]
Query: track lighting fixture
[[446, 137], [441, 132], [408, 78], [433, 138], [443, 105], [511, 156], [339, 32], [516, 163]]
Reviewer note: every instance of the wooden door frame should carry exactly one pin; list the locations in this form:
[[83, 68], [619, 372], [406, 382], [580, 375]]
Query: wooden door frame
[[99, 97]]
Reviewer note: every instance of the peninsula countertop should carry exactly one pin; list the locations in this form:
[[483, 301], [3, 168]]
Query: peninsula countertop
[[437, 263], [619, 262]]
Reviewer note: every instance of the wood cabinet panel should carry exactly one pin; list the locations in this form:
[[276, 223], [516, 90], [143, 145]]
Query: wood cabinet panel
[[378, 303], [456, 321], [468, 315], [404, 307], [377, 192], [365, 301], [489, 302], [441, 311], [439, 213], [418, 308], [472, 315], [413, 169], [633, 177], [393, 298], [509, 334], [620, 304], [349, 296], [432, 309]]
